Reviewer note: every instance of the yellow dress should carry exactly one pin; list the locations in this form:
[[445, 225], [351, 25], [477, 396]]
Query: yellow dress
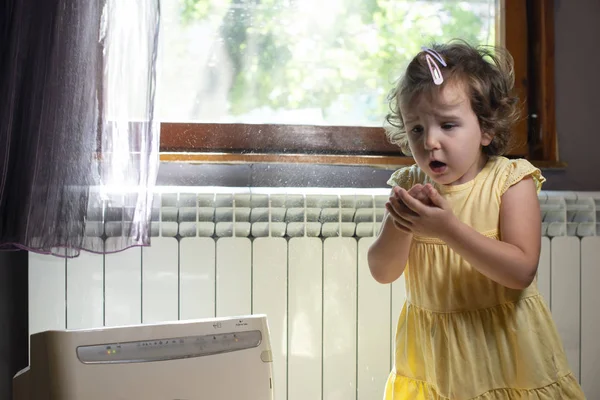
[[461, 335]]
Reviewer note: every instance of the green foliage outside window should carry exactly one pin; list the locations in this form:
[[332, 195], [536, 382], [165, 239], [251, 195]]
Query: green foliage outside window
[[330, 54]]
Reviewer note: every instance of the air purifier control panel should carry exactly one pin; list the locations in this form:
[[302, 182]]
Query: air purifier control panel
[[168, 348]]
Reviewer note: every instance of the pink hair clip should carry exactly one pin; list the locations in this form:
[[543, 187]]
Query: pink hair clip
[[436, 73]]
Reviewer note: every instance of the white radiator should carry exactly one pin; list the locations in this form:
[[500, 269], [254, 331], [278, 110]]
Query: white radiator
[[299, 256]]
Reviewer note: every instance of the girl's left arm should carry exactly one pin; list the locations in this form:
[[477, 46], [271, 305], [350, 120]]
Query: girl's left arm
[[511, 261]]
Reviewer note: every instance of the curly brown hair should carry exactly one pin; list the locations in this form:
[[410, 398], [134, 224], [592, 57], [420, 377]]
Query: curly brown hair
[[490, 88]]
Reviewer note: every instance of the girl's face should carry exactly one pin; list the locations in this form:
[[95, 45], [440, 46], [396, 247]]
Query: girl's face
[[444, 135]]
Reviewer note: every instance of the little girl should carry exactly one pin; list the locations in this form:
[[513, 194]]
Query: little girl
[[463, 225]]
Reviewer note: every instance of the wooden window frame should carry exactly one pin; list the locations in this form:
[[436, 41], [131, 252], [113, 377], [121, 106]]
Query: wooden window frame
[[527, 30]]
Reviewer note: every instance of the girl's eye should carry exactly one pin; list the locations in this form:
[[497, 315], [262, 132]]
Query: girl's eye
[[417, 129], [448, 126]]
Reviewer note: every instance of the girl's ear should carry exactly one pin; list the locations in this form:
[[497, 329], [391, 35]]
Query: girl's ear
[[486, 138], [405, 148]]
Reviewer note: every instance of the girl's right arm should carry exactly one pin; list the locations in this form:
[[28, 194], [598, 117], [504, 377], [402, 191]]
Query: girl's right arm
[[388, 254]]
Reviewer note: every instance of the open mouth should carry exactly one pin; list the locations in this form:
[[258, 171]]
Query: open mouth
[[437, 166]]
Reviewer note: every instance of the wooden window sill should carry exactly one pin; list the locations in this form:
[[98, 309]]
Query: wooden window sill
[[375, 161]]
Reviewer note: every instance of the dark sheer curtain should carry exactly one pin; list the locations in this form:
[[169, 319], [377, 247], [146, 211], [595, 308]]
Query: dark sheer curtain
[[77, 130]]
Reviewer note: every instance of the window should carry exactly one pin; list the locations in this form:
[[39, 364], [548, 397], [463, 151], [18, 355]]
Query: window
[[306, 81]]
